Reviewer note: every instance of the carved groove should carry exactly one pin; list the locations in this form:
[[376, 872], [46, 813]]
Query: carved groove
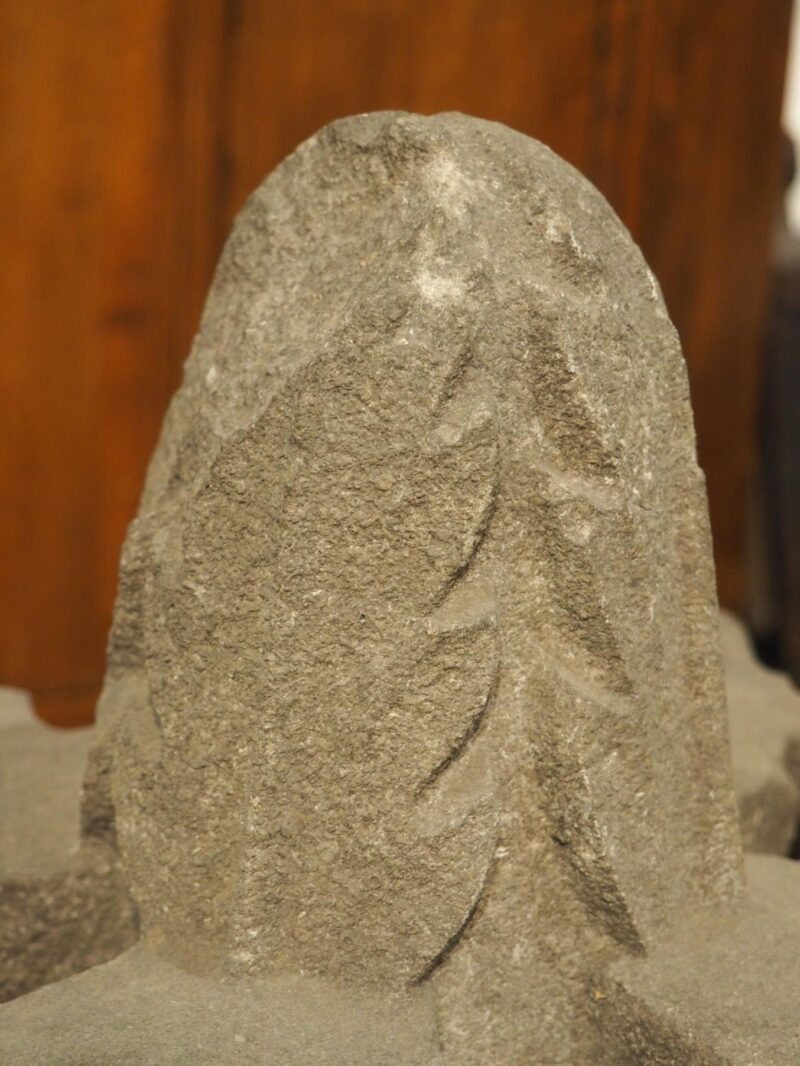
[[458, 935], [462, 744]]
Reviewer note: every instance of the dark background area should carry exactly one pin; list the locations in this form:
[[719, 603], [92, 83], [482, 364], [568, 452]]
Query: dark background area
[[131, 132]]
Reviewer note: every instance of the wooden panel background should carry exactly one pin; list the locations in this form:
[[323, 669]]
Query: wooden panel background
[[131, 132]]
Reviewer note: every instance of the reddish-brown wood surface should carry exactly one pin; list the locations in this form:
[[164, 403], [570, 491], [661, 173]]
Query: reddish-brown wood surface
[[130, 134]]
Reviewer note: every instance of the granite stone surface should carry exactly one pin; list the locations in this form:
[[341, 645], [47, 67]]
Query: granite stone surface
[[63, 906], [414, 725], [764, 713]]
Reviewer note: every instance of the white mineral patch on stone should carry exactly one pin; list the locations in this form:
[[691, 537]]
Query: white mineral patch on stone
[[439, 289], [452, 188], [654, 291]]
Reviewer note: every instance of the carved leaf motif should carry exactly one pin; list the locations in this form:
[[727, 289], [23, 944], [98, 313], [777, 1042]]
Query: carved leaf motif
[[326, 606], [620, 743]]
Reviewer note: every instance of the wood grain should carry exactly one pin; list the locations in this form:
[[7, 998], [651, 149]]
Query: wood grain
[[131, 134]]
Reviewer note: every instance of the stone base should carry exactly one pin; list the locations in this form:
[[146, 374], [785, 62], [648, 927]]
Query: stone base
[[141, 1011], [63, 907], [724, 991], [764, 716]]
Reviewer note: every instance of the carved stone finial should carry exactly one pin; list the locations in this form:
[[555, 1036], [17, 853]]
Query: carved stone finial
[[414, 670], [414, 689]]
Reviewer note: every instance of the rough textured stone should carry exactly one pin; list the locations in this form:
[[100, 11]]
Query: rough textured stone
[[40, 786], [764, 710], [414, 727], [414, 674], [723, 990], [63, 907]]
